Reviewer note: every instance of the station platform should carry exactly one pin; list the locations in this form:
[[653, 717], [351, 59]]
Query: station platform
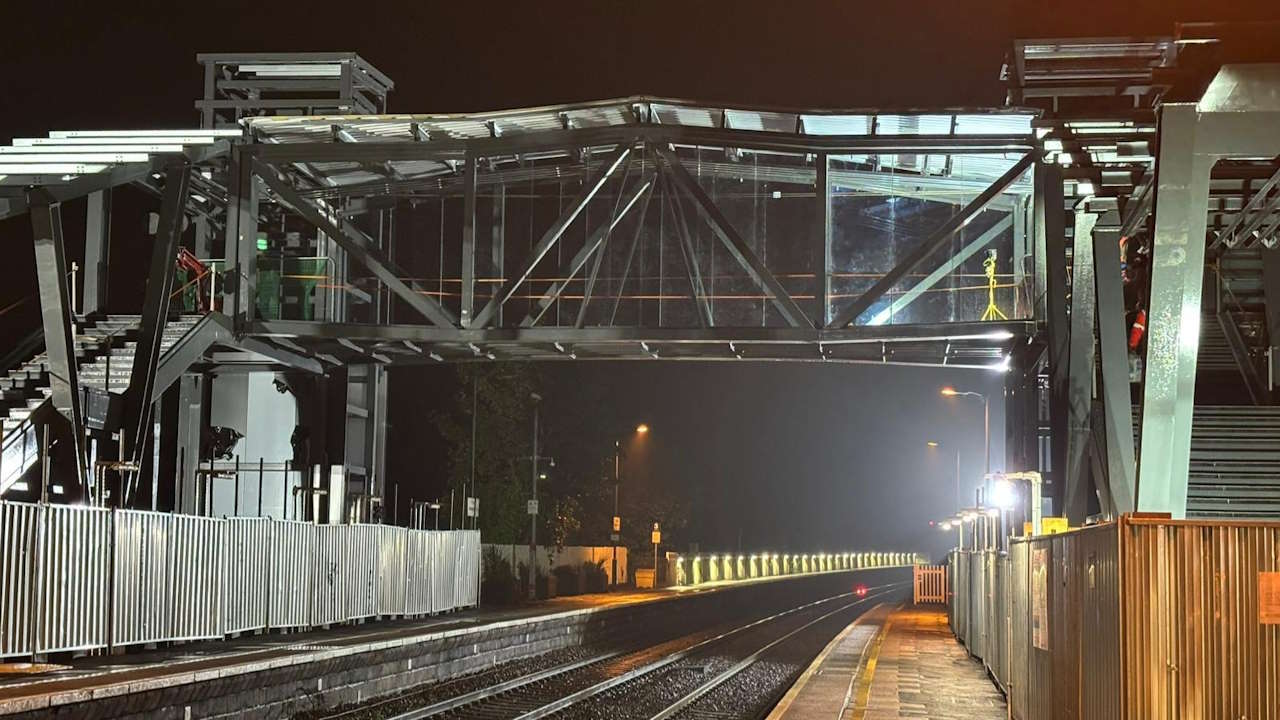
[[893, 663], [24, 688]]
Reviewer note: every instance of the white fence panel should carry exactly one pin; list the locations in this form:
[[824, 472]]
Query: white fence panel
[[329, 587], [418, 570], [293, 561], [466, 586], [392, 581], [195, 577], [139, 604], [18, 527], [247, 572], [75, 562], [361, 570], [444, 563]]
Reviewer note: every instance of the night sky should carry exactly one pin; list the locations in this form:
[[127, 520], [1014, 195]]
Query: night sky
[[791, 454]]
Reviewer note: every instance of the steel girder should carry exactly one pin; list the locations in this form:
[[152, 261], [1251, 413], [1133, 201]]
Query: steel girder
[[1114, 355], [1238, 116], [155, 313], [1080, 369], [55, 313]]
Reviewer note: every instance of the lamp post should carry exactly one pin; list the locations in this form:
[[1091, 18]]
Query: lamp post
[[533, 505], [986, 416], [616, 528]]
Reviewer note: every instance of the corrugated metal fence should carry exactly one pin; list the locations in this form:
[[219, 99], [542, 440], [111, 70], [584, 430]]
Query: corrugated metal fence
[[1145, 618], [80, 578]]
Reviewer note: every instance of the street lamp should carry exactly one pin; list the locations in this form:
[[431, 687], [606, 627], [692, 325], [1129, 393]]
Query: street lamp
[[616, 528], [986, 415]]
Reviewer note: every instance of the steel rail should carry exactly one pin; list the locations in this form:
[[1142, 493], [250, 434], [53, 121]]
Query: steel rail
[[478, 696], [700, 691]]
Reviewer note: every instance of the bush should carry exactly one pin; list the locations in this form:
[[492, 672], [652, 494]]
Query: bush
[[498, 584], [597, 578], [566, 580]]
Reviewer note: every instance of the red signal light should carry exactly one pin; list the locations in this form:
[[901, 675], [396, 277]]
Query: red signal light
[[860, 591]]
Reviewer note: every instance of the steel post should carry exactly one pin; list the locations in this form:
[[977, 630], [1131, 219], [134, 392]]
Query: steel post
[[1080, 369], [55, 314], [97, 251], [1117, 405], [1182, 196]]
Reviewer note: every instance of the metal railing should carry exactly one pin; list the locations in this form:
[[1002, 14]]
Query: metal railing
[[75, 578], [687, 570]]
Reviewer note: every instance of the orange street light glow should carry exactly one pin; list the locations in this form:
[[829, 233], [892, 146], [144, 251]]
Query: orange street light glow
[[642, 428], [933, 443], [949, 392]]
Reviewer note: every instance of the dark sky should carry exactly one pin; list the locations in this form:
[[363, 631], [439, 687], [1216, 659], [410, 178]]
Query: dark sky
[[796, 453]]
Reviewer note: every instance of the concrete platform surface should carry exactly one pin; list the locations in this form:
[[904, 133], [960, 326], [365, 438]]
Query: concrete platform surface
[[893, 663], [922, 672]]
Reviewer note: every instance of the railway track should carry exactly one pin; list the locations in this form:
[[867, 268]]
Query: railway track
[[673, 678]]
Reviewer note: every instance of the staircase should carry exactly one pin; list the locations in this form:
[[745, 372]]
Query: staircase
[[104, 350]]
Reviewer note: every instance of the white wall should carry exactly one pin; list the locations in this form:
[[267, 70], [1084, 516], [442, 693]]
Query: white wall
[[250, 403]]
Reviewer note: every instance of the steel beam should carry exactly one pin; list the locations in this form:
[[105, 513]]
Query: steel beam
[[631, 254], [1181, 202], [469, 172], [497, 239], [822, 230], [1081, 369], [55, 315], [575, 265], [212, 329], [446, 149], [1243, 224], [358, 246], [1117, 406], [948, 266], [553, 233], [733, 242], [619, 209], [97, 251], [697, 292], [1049, 219], [1271, 293], [1240, 354], [155, 313], [240, 248], [932, 244]]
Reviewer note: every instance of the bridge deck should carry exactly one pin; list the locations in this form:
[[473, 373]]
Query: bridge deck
[[889, 664]]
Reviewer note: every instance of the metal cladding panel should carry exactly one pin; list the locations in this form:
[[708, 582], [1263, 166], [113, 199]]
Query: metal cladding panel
[[247, 563], [195, 576], [393, 579], [1020, 628], [1195, 645], [418, 572], [444, 553], [1064, 621], [361, 570], [976, 638], [961, 596], [293, 563], [997, 618], [991, 643], [75, 562], [1098, 577], [18, 527], [139, 601], [1039, 661], [329, 587]]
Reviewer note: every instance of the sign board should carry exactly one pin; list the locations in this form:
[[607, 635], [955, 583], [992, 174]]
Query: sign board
[[1053, 525], [1269, 598], [614, 537], [1040, 599], [473, 507], [656, 536], [533, 507], [617, 524]]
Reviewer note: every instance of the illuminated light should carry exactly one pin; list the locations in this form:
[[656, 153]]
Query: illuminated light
[[294, 70], [1003, 365], [47, 150], [50, 168], [949, 392], [1053, 146], [1064, 158], [1189, 337], [76, 157], [642, 429], [1003, 494], [946, 525], [1084, 187], [195, 132], [542, 476], [993, 512], [932, 443]]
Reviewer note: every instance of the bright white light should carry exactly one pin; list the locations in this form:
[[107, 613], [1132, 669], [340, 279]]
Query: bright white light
[[1003, 494], [993, 512], [47, 150], [1084, 187], [1053, 146], [50, 168], [946, 525], [194, 132], [1064, 158]]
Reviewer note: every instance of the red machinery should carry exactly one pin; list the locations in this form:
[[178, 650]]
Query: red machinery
[[197, 270]]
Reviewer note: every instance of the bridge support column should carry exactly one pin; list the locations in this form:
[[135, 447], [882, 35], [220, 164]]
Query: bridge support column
[[1114, 352], [1051, 286], [190, 428], [155, 312], [1080, 370], [55, 313], [97, 251]]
